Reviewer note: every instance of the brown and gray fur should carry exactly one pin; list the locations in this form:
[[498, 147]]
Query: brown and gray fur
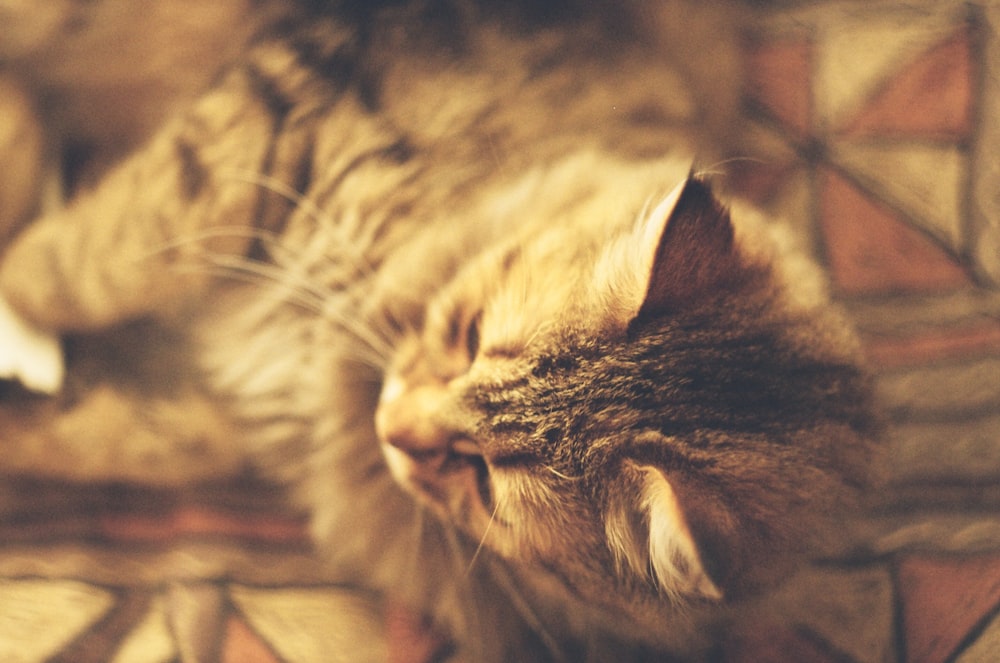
[[418, 262]]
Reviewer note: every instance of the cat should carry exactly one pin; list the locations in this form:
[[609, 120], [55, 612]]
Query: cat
[[445, 270]]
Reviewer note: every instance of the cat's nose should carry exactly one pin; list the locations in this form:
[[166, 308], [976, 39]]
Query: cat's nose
[[405, 419]]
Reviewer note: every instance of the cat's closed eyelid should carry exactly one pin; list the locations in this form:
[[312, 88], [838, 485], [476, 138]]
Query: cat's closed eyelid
[[516, 459], [472, 337], [502, 352]]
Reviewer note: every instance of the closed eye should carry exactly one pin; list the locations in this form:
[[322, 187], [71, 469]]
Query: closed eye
[[472, 336], [517, 459]]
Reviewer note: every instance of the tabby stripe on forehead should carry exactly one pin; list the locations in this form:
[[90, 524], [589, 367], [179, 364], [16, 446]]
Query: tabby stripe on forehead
[[337, 65], [510, 426], [336, 55], [512, 255], [194, 175], [499, 393], [397, 152], [294, 136], [267, 90]]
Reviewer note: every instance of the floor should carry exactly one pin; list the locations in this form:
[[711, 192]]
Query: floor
[[873, 124], [868, 123]]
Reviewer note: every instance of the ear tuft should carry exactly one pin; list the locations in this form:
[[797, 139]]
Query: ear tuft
[[695, 252], [652, 538]]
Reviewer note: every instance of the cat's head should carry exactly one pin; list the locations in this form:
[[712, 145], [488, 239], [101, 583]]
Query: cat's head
[[650, 416]]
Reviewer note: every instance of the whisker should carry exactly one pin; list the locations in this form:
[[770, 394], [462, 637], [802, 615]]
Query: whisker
[[468, 619], [418, 534], [281, 250], [360, 332], [287, 192], [527, 613], [373, 351], [482, 540], [306, 301], [268, 237], [280, 277], [560, 474], [312, 211], [716, 168]]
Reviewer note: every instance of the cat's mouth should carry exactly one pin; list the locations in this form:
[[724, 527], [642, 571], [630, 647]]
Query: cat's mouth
[[456, 483], [481, 472], [465, 456], [465, 489]]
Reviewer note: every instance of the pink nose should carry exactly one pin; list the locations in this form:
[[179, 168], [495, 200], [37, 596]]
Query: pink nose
[[406, 419]]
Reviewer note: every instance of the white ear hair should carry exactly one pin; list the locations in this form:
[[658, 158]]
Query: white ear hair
[[670, 554], [651, 225], [624, 268]]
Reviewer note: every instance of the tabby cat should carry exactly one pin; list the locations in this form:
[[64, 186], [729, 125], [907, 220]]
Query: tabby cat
[[444, 269]]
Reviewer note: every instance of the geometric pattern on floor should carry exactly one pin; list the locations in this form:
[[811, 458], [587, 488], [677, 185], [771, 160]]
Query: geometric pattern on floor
[[866, 124]]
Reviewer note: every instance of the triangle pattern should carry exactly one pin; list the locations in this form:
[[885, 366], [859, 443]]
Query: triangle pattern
[[760, 182], [760, 178], [857, 54], [96, 644], [243, 646], [850, 610], [925, 180], [793, 204], [772, 643], [778, 77], [944, 599], [196, 614], [985, 647], [297, 623], [872, 250], [49, 615], [150, 641], [411, 638], [938, 85]]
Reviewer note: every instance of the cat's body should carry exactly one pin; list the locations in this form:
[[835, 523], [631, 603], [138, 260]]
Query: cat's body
[[637, 409]]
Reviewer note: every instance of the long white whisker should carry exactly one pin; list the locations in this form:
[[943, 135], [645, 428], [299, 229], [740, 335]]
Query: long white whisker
[[311, 210], [482, 540], [275, 185], [714, 169], [360, 332], [559, 474], [304, 300], [271, 239], [277, 276], [468, 617], [373, 351], [526, 612]]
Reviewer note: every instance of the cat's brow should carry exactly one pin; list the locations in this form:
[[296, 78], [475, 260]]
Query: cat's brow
[[502, 352], [515, 459]]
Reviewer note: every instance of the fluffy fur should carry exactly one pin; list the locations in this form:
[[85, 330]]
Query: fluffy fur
[[421, 262]]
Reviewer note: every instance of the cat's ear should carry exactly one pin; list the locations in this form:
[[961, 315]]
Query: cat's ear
[[694, 252], [649, 535]]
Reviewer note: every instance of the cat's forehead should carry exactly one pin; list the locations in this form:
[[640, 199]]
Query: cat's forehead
[[518, 290]]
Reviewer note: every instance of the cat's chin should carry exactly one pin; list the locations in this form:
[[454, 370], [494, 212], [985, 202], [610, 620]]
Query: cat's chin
[[454, 487]]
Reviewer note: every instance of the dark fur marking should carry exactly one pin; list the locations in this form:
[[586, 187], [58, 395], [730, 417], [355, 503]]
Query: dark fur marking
[[393, 153], [501, 352], [193, 174], [512, 255], [267, 91], [704, 385]]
